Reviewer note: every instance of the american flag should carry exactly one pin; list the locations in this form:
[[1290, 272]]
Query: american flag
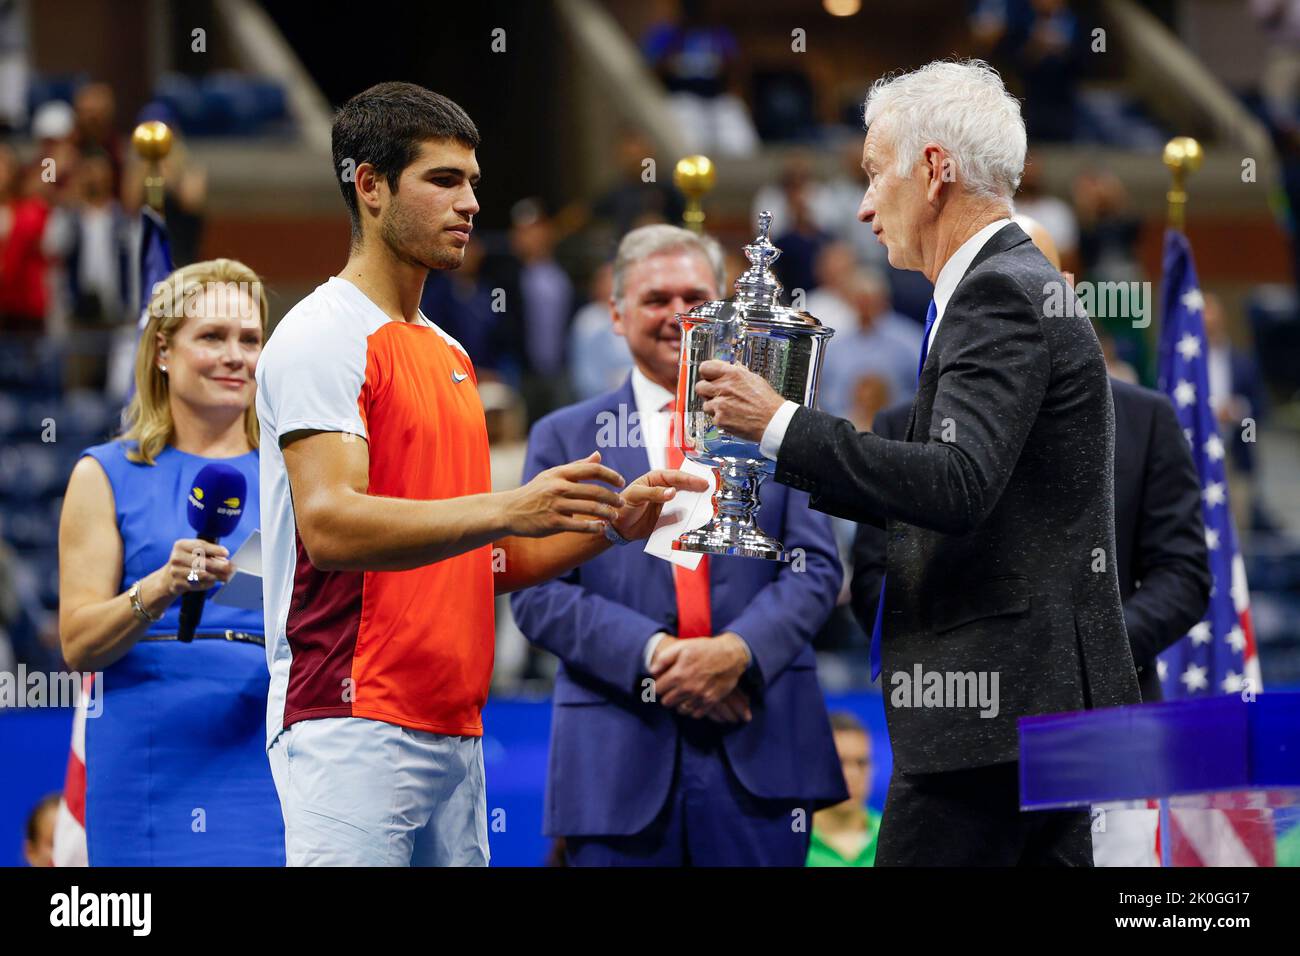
[[70, 848], [1218, 656], [155, 257], [155, 267]]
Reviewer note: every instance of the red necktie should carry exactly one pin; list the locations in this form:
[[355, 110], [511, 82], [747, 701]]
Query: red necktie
[[694, 615]]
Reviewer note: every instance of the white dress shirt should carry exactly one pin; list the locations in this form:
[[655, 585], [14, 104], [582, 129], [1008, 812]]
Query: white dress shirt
[[944, 286], [656, 421], [651, 399]]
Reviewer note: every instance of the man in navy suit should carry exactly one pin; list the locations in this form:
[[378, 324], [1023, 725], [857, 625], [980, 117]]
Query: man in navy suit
[[689, 726]]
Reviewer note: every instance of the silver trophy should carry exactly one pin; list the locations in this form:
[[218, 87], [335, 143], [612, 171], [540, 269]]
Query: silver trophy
[[782, 345]]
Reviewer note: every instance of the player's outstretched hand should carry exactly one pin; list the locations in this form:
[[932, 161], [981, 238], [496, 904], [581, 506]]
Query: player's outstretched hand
[[645, 497], [563, 499]]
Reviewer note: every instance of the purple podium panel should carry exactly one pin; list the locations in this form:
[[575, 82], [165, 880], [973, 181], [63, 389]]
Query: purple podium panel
[[1212, 751]]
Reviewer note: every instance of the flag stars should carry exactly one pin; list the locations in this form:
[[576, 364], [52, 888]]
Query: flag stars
[[1194, 678], [1200, 634], [1212, 539], [1231, 683], [1214, 447], [1162, 669], [1193, 301], [1213, 493], [1237, 640], [1184, 393], [1189, 347]]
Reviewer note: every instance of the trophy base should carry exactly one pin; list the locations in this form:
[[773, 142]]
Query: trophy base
[[715, 538]]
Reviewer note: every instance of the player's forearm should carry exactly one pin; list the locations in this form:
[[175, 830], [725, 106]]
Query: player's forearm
[[529, 561], [354, 531]]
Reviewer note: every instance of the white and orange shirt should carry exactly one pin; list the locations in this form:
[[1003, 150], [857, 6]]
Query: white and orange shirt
[[412, 648]]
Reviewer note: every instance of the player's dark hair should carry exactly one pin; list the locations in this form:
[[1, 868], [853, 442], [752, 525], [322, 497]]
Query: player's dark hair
[[843, 720], [385, 126]]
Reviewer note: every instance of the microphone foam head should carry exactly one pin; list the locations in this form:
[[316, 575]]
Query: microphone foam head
[[216, 500]]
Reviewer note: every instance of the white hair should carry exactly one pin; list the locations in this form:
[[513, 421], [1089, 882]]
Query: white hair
[[646, 241], [966, 109]]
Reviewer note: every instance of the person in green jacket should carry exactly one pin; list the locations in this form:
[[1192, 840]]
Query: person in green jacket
[[845, 834], [1288, 846]]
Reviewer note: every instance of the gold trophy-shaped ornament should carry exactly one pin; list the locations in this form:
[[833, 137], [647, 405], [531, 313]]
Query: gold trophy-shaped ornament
[[769, 338]]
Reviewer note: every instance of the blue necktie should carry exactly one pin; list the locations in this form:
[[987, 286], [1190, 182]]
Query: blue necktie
[[930, 314]]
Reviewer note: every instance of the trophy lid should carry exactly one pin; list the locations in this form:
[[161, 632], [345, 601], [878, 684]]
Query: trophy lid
[[757, 284], [759, 292]]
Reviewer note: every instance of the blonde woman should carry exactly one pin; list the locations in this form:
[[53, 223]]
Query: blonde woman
[[175, 771]]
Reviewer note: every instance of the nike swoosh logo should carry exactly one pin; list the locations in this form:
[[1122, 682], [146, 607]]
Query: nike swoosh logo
[[459, 377]]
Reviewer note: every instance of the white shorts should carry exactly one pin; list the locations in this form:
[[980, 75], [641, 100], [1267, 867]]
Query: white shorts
[[360, 792]]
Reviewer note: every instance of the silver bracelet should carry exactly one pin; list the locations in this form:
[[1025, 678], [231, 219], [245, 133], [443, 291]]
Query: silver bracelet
[[612, 535], [137, 605]]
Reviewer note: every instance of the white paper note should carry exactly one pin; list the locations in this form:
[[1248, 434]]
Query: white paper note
[[687, 511], [244, 590]]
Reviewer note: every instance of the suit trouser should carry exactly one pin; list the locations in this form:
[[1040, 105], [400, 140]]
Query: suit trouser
[[708, 819], [973, 818]]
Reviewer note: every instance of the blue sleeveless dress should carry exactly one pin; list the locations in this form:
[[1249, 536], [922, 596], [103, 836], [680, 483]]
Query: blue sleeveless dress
[[176, 766]]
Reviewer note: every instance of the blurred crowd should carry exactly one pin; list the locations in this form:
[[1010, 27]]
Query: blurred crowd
[[70, 194], [69, 231], [727, 104]]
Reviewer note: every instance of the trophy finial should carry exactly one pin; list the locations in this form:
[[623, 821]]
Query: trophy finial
[[757, 284]]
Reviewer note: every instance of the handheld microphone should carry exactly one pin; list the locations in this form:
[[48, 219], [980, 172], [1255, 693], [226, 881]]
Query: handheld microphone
[[216, 503]]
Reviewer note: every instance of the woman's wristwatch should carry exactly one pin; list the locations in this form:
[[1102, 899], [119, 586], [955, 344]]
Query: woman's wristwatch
[[137, 605]]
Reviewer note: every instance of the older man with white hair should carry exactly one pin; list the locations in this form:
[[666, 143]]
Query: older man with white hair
[[1000, 597]]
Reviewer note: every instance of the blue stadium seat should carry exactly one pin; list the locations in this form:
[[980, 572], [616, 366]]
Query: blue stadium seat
[[32, 369], [225, 103], [28, 525], [11, 412], [1272, 563], [31, 471], [181, 94], [43, 568], [1274, 316], [86, 418], [41, 89]]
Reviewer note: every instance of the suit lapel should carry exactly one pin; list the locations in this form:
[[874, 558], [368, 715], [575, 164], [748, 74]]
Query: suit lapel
[[1008, 237], [628, 455]]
